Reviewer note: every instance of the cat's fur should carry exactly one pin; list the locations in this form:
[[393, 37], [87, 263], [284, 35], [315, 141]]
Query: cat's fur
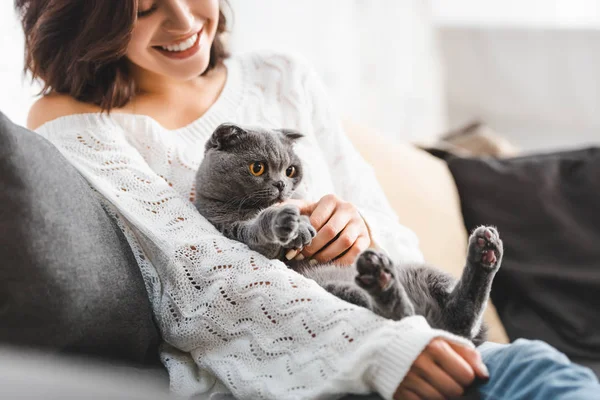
[[245, 207]]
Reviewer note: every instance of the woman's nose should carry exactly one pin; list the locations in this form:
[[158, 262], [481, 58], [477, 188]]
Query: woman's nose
[[179, 17]]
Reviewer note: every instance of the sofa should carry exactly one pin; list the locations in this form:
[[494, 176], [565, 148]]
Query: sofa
[[57, 310]]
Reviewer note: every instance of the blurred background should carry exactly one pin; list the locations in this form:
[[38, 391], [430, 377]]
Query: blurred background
[[413, 69]]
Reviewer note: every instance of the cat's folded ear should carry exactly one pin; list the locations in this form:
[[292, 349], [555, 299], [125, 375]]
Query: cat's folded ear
[[290, 134], [225, 136]]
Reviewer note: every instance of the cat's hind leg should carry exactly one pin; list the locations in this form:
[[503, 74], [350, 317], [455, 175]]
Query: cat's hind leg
[[350, 293], [464, 308], [376, 275]]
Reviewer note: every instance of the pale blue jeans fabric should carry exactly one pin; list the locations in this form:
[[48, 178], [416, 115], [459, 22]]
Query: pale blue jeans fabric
[[534, 370]]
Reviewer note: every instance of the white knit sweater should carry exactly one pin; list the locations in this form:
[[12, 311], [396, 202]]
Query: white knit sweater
[[230, 318]]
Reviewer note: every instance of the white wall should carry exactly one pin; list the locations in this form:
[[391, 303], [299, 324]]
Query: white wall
[[16, 92], [555, 14], [377, 58], [528, 68], [540, 88]]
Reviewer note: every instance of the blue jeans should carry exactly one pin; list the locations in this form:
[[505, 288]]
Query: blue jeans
[[534, 370], [529, 370]]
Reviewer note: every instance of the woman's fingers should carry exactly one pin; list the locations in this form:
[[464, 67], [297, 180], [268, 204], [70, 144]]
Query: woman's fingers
[[334, 223], [342, 242], [405, 394], [473, 357], [422, 388], [427, 369], [321, 211], [451, 362], [361, 244]]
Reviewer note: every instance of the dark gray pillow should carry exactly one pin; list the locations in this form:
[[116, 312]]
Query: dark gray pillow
[[68, 279], [547, 210]]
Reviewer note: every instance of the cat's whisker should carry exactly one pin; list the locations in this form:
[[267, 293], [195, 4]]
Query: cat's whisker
[[253, 198]]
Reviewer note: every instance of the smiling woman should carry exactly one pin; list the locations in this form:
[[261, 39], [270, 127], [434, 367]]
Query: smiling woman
[[94, 64]]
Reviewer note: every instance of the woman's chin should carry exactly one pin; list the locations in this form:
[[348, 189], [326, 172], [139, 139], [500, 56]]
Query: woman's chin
[[186, 70]]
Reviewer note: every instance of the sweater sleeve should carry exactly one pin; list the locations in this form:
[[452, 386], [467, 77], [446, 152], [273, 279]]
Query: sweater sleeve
[[353, 177], [263, 330]]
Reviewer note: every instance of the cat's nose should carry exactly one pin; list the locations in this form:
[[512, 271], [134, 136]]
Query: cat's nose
[[279, 185]]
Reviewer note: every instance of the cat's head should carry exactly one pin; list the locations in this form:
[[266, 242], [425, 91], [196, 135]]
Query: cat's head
[[249, 167]]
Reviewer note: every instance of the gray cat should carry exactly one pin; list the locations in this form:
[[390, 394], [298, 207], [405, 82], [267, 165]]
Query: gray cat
[[247, 172]]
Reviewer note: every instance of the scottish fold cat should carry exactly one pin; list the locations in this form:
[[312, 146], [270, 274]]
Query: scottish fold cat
[[246, 174]]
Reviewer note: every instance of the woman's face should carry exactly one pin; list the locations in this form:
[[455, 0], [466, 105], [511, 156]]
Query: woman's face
[[172, 38]]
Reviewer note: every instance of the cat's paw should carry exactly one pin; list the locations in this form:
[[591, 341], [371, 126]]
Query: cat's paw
[[375, 272], [305, 234], [485, 248], [291, 229]]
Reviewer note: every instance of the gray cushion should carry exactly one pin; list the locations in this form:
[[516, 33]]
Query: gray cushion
[[68, 279], [546, 208]]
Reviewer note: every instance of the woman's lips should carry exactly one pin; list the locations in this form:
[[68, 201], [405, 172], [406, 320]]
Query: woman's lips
[[176, 54]]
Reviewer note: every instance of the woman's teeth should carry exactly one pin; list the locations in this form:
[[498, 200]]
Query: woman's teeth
[[186, 44]]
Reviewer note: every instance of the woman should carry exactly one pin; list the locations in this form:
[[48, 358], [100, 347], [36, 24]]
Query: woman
[[133, 90]]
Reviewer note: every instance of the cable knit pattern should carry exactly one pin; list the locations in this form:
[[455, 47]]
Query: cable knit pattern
[[231, 319]]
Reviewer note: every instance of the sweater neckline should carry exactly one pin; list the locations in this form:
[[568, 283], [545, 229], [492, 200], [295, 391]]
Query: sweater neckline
[[223, 109]]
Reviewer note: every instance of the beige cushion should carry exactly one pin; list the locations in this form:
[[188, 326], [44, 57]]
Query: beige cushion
[[421, 190]]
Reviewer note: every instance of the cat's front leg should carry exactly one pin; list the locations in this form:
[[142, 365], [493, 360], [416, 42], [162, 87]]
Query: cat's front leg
[[377, 275], [279, 227], [464, 309], [271, 230], [287, 227]]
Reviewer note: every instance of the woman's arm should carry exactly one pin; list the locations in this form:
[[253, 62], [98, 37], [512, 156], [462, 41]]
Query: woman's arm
[[354, 179], [261, 328]]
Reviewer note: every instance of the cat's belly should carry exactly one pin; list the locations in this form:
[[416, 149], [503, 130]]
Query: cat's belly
[[428, 291], [326, 273]]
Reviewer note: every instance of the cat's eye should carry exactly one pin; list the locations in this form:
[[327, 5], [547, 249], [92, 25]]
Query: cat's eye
[[257, 168], [291, 171], [146, 12]]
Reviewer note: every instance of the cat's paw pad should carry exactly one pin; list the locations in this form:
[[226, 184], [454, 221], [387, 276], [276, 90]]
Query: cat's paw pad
[[485, 248], [305, 234], [374, 272], [286, 224]]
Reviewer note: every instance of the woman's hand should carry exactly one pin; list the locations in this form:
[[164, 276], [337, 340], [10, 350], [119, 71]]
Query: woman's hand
[[342, 233], [442, 371]]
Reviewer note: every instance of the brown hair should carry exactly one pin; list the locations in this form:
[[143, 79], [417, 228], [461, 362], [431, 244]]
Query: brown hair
[[78, 47]]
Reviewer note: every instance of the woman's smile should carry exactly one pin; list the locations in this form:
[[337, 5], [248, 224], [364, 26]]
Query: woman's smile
[[183, 48]]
